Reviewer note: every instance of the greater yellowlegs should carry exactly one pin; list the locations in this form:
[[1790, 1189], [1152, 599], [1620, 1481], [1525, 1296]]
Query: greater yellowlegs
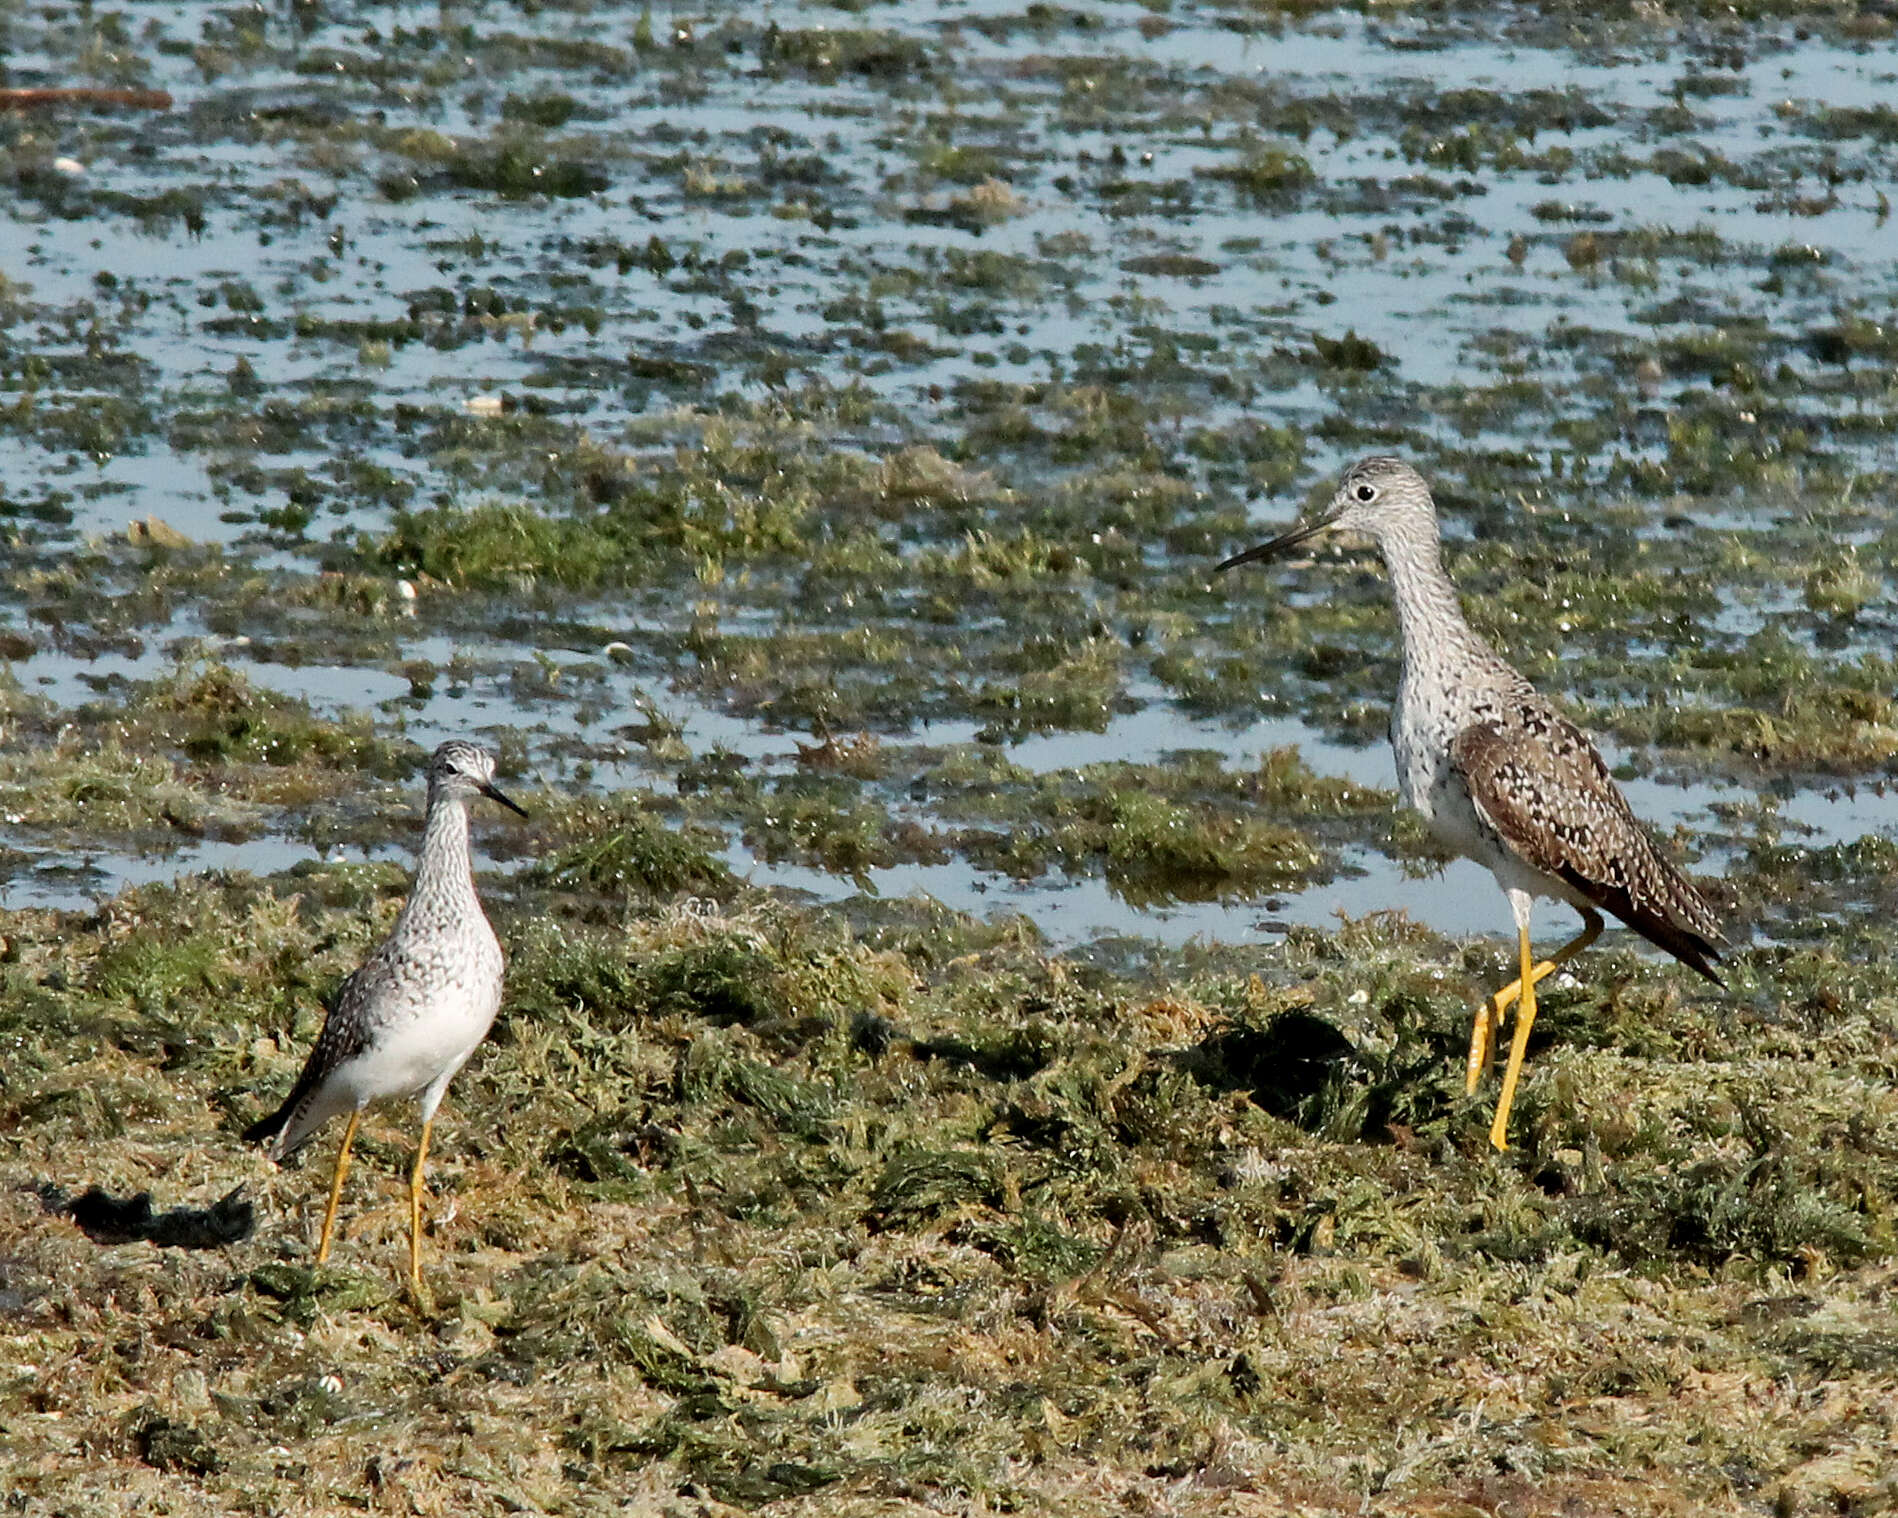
[[406, 1020], [1498, 773]]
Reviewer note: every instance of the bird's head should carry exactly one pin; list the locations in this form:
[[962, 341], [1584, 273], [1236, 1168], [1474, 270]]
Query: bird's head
[[462, 769], [1379, 497]]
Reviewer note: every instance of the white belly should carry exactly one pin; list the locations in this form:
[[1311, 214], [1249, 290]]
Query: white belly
[[417, 1052]]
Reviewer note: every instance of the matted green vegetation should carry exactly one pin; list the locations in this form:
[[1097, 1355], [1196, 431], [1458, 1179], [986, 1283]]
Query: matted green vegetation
[[741, 1203], [797, 439]]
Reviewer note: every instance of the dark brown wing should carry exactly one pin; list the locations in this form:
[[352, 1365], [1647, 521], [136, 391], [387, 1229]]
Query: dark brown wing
[[1540, 784]]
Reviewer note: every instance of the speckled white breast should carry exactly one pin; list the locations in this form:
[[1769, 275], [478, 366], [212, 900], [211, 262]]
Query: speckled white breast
[[1428, 716], [425, 1043]]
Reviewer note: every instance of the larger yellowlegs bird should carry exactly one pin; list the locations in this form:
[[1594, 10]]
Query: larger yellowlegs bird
[[406, 1020], [1498, 773]]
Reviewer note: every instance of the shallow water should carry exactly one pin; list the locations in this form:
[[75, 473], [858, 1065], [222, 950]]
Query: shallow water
[[1575, 254]]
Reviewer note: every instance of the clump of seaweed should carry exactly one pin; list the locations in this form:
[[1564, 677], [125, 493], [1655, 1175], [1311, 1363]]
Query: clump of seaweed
[[762, 1185], [619, 845]]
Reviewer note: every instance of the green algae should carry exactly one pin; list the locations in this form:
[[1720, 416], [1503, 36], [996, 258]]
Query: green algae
[[826, 52], [823, 1211], [1267, 173], [1188, 830], [619, 845], [1149, 1170]]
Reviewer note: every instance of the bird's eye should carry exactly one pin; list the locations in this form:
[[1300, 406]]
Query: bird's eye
[[1367, 492]]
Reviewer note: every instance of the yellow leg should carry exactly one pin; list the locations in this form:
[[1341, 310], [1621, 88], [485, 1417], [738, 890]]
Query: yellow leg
[[415, 1215], [1525, 1019], [336, 1187], [1489, 1016]]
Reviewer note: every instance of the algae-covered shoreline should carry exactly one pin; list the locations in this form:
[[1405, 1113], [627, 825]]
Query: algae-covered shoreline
[[746, 1206], [936, 1075]]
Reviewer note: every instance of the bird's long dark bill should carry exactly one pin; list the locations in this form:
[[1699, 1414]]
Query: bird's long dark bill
[[1278, 545], [493, 794]]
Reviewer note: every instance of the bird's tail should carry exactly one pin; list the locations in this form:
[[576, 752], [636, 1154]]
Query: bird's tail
[[284, 1126], [268, 1127]]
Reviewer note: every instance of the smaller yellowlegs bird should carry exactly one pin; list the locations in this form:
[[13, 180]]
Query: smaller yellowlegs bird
[[1498, 773], [406, 1020]]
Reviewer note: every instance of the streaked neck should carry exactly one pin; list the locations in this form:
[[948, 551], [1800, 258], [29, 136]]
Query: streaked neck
[[444, 874], [1428, 612]]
